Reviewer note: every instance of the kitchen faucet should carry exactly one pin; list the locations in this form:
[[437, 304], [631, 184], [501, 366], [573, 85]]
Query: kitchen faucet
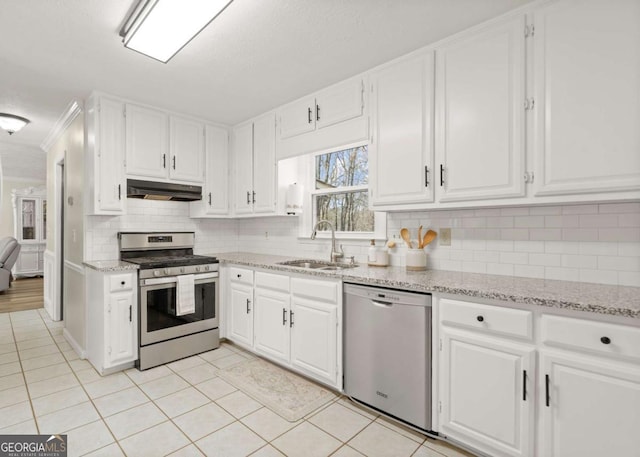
[[335, 254]]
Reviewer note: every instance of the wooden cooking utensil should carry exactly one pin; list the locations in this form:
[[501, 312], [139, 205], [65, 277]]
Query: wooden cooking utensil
[[428, 238], [404, 233], [420, 246]]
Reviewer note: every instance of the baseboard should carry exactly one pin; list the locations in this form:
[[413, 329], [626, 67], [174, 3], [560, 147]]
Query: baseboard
[[82, 353]]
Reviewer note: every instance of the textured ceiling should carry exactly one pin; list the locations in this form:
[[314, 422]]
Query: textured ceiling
[[256, 55]]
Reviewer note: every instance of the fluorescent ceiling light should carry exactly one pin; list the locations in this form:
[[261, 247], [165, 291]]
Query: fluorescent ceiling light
[[160, 28], [12, 123]]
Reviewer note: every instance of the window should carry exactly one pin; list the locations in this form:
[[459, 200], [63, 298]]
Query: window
[[340, 193]]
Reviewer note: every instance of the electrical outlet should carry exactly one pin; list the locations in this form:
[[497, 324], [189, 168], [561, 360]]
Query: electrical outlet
[[445, 237]]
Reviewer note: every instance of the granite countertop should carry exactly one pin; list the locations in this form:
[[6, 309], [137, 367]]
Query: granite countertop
[[111, 265], [604, 299]]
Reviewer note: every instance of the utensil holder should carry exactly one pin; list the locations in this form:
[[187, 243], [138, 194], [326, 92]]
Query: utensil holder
[[416, 260]]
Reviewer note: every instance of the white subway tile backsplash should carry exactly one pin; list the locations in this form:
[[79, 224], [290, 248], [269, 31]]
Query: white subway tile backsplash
[[521, 258], [514, 234], [599, 276], [598, 248], [580, 209], [579, 261], [529, 271], [529, 221], [629, 278], [629, 220], [504, 269], [619, 208], [599, 220], [517, 211], [550, 260], [580, 234], [619, 263], [545, 210], [562, 274], [619, 234], [566, 221], [545, 234], [528, 246]]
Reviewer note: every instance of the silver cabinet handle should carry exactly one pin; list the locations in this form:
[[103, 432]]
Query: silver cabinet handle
[[291, 313], [248, 303], [284, 316]]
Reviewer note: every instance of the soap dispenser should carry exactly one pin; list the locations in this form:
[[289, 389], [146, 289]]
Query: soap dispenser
[[372, 257]]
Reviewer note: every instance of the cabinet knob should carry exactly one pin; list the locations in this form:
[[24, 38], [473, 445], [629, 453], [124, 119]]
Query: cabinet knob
[[480, 318], [239, 276], [122, 283], [605, 340]]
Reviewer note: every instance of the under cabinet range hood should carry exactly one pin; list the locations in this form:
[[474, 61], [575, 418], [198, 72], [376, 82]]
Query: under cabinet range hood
[[153, 190]]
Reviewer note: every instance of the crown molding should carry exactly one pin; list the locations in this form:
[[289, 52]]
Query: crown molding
[[68, 116]]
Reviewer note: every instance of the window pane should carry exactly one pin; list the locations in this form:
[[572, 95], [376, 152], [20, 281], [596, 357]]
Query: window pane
[[343, 168], [347, 211]]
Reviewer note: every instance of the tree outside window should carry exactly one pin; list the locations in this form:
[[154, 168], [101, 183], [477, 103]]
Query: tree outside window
[[341, 193]]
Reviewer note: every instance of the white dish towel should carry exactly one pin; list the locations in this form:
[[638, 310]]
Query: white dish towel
[[185, 295]]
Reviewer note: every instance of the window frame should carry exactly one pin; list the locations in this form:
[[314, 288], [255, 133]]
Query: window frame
[[308, 220]]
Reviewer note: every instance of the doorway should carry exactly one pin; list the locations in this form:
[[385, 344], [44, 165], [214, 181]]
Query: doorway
[[60, 201]]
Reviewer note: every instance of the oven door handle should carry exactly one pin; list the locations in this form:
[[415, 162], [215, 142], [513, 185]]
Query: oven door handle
[[174, 279]]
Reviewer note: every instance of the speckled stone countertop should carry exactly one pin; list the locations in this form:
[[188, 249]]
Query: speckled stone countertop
[[604, 299], [111, 265]]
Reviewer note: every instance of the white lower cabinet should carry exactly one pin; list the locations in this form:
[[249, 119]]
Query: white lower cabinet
[[112, 341], [487, 398], [575, 387], [240, 328], [314, 338], [589, 407], [272, 323], [292, 321]]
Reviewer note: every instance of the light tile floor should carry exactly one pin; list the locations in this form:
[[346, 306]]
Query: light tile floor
[[181, 409]]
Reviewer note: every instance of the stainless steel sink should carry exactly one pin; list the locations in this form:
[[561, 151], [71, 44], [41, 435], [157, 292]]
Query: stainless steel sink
[[317, 265]]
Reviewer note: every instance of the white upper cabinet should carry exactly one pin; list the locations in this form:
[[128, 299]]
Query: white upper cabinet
[[255, 166], [109, 175], [105, 179], [217, 170], [401, 146], [264, 164], [480, 95], [587, 97], [186, 148], [339, 103], [147, 142], [333, 105], [298, 117], [243, 164]]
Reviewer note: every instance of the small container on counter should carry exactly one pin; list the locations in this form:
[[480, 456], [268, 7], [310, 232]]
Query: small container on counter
[[377, 256], [416, 260]]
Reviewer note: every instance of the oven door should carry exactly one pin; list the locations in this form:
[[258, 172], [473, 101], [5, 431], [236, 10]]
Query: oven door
[[158, 319]]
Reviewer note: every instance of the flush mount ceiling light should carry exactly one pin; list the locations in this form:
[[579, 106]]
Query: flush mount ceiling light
[[160, 28], [12, 123]]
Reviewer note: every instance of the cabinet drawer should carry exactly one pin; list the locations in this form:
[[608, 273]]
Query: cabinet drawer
[[241, 275], [320, 290], [121, 282], [486, 318], [271, 281], [591, 336]]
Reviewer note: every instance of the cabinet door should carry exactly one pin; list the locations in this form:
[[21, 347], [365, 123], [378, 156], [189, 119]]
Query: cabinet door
[[314, 338], [339, 103], [217, 170], [401, 144], [480, 114], [147, 141], [297, 118], [593, 407], [186, 148], [243, 164], [111, 181], [272, 323], [487, 397], [120, 344], [28, 260], [587, 97], [264, 164], [241, 313]]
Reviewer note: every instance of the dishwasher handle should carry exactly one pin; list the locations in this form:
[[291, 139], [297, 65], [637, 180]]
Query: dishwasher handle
[[381, 304]]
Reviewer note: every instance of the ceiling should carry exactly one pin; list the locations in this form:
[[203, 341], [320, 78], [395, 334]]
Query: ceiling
[[257, 55], [22, 161]]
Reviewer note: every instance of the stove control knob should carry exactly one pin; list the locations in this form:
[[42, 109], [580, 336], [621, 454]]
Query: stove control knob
[[156, 273], [181, 269], [166, 271], [197, 268], [206, 268]]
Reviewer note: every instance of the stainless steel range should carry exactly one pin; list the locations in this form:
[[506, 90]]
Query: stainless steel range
[[171, 275]]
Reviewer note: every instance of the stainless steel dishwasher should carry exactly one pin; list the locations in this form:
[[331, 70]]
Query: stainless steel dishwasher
[[387, 352]]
